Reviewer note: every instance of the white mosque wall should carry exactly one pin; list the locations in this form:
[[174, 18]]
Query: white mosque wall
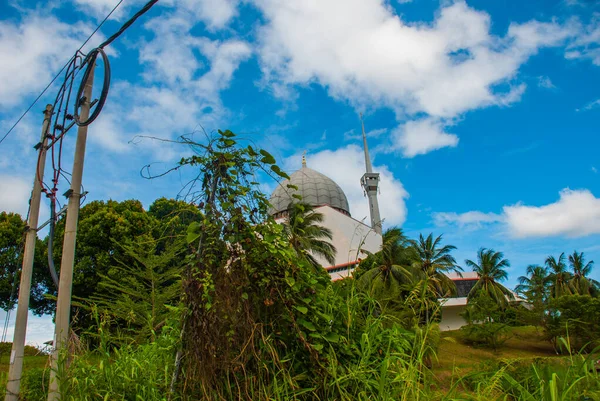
[[350, 237]]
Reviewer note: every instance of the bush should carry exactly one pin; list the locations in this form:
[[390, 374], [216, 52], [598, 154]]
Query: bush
[[488, 334], [5, 349], [575, 317]]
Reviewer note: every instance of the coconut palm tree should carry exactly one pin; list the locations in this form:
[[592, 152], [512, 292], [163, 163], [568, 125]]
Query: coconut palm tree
[[307, 236], [490, 269], [432, 261], [388, 275], [535, 286], [559, 276], [580, 282]]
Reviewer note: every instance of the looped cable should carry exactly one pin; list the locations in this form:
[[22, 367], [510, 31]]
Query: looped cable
[[90, 61]]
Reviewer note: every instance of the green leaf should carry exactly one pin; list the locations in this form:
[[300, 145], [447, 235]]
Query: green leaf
[[292, 186], [278, 171], [227, 134], [251, 151], [193, 232], [244, 295], [268, 158], [318, 347], [308, 325], [301, 309], [228, 142], [299, 197], [332, 337]]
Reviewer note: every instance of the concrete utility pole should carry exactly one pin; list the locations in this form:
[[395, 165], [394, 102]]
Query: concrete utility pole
[[16, 355], [63, 305]]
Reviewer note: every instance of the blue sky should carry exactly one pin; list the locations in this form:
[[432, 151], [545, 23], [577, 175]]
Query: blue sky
[[482, 116]]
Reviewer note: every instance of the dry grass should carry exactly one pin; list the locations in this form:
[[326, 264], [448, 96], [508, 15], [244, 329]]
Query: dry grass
[[456, 359]]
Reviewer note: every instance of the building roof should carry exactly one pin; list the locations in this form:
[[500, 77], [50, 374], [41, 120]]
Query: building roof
[[315, 188]]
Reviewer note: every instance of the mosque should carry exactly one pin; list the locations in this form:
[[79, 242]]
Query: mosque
[[352, 238]]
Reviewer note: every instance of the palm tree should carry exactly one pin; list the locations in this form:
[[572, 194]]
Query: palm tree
[[432, 262], [559, 276], [307, 236], [388, 275], [490, 269], [430, 265], [580, 283], [535, 285]]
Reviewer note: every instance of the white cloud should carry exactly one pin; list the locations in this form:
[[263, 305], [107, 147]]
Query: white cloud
[[365, 54], [216, 14], [100, 8], [545, 82], [39, 328], [591, 105], [179, 94], [586, 44], [422, 136], [14, 194], [472, 219], [594, 170], [346, 166], [32, 52], [575, 214]]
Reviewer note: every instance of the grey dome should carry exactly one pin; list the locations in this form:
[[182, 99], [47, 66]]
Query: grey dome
[[315, 188]]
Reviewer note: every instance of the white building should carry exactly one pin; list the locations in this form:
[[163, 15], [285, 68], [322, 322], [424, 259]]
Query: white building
[[354, 239], [351, 237]]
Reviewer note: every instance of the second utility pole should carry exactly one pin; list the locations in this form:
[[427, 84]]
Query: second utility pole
[[63, 305], [16, 355]]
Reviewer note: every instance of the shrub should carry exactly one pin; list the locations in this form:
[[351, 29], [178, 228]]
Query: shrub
[[575, 317]]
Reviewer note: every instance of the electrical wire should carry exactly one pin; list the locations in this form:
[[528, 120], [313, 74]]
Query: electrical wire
[[61, 70], [90, 60], [127, 24], [60, 127]]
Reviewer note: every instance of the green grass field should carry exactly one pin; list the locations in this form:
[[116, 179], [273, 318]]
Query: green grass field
[[456, 359]]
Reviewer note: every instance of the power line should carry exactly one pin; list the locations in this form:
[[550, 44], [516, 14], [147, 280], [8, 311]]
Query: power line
[[61, 70]]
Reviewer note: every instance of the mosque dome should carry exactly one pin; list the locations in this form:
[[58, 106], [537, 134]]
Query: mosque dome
[[315, 188]]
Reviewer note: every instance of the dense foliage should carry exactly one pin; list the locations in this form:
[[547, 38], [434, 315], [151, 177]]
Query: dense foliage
[[210, 298]]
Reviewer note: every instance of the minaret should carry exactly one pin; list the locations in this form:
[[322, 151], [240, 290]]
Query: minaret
[[370, 183]]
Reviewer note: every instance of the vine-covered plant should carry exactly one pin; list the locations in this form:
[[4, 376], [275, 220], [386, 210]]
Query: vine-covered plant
[[249, 297]]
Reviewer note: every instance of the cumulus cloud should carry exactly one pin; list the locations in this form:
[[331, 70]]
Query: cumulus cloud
[[346, 166], [216, 14], [14, 194], [575, 214], [367, 55], [422, 136], [179, 91], [32, 51], [364, 53]]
